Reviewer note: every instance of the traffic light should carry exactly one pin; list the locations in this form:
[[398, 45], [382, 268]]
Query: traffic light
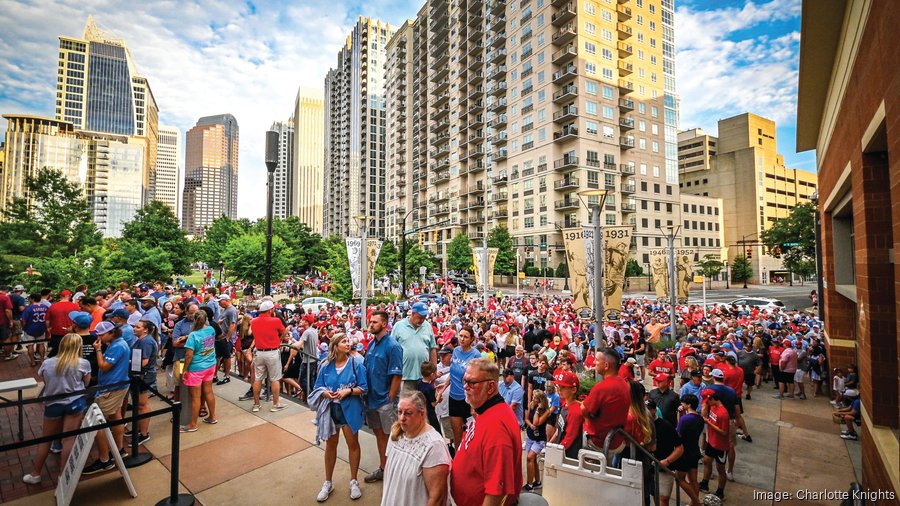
[[749, 252], [421, 239], [776, 252], [434, 236]]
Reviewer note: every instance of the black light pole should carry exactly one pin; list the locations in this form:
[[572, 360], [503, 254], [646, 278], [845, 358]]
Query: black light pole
[[649, 277], [403, 256], [820, 279], [271, 163]]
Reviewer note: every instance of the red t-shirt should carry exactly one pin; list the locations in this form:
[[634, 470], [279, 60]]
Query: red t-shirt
[[265, 330], [608, 404], [661, 367], [574, 426], [58, 322], [626, 372], [718, 415], [97, 317], [489, 458], [734, 378], [775, 355], [5, 303]]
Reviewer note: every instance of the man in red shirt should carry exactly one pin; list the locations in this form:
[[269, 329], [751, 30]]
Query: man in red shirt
[[626, 370], [6, 318], [662, 365], [606, 406], [717, 444], [58, 321], [268, 334], [487, 468]]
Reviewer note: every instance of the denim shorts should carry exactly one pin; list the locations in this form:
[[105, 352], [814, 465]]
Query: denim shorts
[[55, 411]]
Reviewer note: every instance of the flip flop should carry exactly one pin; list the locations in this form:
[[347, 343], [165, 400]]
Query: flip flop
[[211, 422], [188, 429]]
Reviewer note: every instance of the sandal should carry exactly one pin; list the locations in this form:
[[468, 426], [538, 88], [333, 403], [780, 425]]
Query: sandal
[[204, 412], [188, 429], [211, 422]]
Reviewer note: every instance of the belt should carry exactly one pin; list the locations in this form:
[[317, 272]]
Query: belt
[[267, 349]]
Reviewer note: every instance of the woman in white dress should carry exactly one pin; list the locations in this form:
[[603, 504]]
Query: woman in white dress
[[418, 462]]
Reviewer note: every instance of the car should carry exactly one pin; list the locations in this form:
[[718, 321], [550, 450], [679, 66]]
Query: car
[[429, 297], [468, 284], [317, 303], [758, 302]]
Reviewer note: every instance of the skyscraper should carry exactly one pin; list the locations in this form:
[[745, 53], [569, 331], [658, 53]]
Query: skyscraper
[[309, 138], [354, 173], [211, 171], [166, 185], [284, 174]]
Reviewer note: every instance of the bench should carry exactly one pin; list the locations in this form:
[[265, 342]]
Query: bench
[[18, 385]]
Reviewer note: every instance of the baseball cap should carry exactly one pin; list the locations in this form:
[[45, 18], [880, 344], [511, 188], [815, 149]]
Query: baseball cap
[[508, 372], [19, 288], [727, 346], [66, 293], [786, 342], [566, 379], [148, 298], [103, 328], [661, 377], [266, 305], [446, 350], [707, 393], [359, 347], [120, 313], [717, 373], [81, 319], [323, 347], [419, 308], [696, 373], [144, 287], [631, 360], [224, 296]]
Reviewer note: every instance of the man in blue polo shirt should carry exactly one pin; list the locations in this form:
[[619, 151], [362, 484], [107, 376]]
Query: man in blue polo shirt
[[416, 338], [384, 370], [120, 318], [113, 366]]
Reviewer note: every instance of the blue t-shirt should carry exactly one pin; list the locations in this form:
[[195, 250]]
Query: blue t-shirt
[[458, 365], [514, 394], [154, 316], [384, 360], [182, 328], [34, 320], [352, 375], [128, 334], [119, 355], [203, 342], [554, 402], [149, 349]]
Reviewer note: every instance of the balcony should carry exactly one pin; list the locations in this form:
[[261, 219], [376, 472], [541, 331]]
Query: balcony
[[624, 31], [476, 107], [499, 138], [626, 142], [441, 112], [498, 23], [442, 86], [498, 7], [440, 125], [567, 93], [625, 68], [440, 138], [475, 92], [475, 204], [441, 177], [439, 197], [440, 59], [497, 55], [475, 188], [475, 19], [567, 113], [500, 214], [626, 104], [566, 183], [566, 203], [475, 77], [476, 48], [498, 88], [565, 34], [500, 154], [498, 121], [476, 63], [624, 12], [564, 14], [565, 54], [475, 153], [497, 40], [441, 210], [558, 3], [569, 222], [625, 86], [497, 72], [440, 99], [627, 188], [569, 132], [565, 74], [626, 168], [498, 105], [625, 49], [501, 181], [628, 207], [566, 163], [475, 219]]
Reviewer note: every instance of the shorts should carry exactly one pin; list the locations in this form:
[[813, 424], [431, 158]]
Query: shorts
[[267, 363], [641, 360], [245, 343], [666, 481], [749, 379], [718, 455], [446, 427], [28, 338], [740, 403], [4, 332], [686, 463], [459, 409], [534, 446], [59, 410], [798, 376], [110, 403], [224, 349], [53, 344], [381, 418], [551, 420], [787, 377], [196, 378], [337, 414], [17, 328]]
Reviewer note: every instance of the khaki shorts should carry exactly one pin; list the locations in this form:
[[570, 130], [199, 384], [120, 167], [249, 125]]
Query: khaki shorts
[[110, 403], [267, 363], [666, 481], [382, 418]]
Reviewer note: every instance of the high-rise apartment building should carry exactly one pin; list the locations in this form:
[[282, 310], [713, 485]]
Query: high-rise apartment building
[[355, 123], [166, 185], [211, 172], [742, 167], [284, 174], [508, 109], [308, 176]]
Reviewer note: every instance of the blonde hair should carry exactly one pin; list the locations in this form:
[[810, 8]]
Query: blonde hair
[[418, 401], [69, 353], [541, 397], [332, 346], [690, 363]]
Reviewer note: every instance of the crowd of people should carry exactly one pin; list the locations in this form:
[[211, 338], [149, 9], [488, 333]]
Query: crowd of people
[[458, 394]]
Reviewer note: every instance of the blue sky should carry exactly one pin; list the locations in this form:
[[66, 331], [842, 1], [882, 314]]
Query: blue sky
[[248, 58]]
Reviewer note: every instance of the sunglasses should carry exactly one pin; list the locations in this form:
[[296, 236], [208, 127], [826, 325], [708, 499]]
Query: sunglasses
[[471, 384]]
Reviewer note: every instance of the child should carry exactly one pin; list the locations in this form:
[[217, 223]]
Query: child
[[535, 436], [426, 386], [554, 402], [837, 386]]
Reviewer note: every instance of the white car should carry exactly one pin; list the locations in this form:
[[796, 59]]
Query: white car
[[758, 302], [317, 303]]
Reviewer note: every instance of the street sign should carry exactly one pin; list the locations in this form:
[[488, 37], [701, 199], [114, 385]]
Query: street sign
[[543, 246], [521, 275], [423, 270], [698, 279], [790, 244]]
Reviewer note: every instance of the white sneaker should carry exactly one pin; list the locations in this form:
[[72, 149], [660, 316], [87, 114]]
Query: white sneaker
[[355, 492], [729, 475], [31, 479], [327, 489]]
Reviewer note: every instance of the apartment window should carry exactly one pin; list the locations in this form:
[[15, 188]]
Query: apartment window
[[591, 127], [608, 92], [591, 108], [642, 108], [609, 132], [542, 115], [607, 54], [642, 125], [607, 35], [654, 146], [643, 169], [656, 171], [610, 219], [607, 73], [591, 88], [640, 19], [608, 112], [654, 111], [590, 68], [591, 48], [669, 204], [590, 8], [593, 179], [654, 129], [653, 26], [642, 143], [590, 28], [529, 222], [607, 15]]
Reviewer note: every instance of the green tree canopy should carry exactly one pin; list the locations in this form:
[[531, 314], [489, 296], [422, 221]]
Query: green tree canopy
[[337, 265], [306, 246], [217, 236], [156, 226], [58, 218], [388, 259], [633, 269], [741, 269], [506, 255], [416, 258], [245, 257], [710, 266], [793, 238], [459, 254]]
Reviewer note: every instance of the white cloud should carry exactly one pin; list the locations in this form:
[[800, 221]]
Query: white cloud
[[201, 58], [722, 72]]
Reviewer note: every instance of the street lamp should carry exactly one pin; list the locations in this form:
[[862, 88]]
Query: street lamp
[[272, 139], [403, 256], [598, 258], [363, 223], [649, 277], [725, 263], [673, 290]]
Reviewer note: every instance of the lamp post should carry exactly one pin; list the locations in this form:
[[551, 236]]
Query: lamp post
[[673, 290], [598, 259], [363, 223], [403, 256], [725, 263], [272, 138], [649, 277]]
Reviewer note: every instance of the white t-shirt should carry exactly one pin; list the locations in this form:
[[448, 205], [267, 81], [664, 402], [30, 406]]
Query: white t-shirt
[[442, 409], [403, 481]]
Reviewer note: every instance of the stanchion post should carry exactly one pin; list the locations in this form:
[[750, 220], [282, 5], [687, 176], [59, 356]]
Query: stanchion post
[[135, 458], [176, 499]]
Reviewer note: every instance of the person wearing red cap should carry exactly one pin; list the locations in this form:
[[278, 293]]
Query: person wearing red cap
[[58, 321], [661, 365], [570, 424], [787, 364], [716, 417]]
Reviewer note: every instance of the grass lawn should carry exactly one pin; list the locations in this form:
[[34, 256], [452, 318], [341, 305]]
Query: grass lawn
[[195, 278]]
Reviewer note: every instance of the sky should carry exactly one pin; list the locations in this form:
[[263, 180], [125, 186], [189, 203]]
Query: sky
[[249, 58]]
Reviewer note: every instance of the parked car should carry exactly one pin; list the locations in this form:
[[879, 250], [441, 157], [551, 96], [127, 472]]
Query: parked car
[[758, 302], [468, 285], [427, 298], [317, 303]]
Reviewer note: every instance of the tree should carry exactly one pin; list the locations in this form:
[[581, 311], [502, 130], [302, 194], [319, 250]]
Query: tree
[[798, 228], [388, 259], [245, 257], [57, 219], [217, 236], [416, 258], [710, 266], [306, 246], [633, 269], [506, 255], [156, 226], [337, 265], [562, 270], [459, 254], [741, 269]]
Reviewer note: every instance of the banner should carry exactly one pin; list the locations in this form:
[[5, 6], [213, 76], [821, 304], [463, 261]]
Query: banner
[[659, 269], [492, 259], [574, 242], [373, 249], [354, 258], [684, 262], [616, 250], [478, 264]]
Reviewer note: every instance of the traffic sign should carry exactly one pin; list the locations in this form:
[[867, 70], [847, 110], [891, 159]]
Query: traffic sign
[[790, 244], [543, 246]]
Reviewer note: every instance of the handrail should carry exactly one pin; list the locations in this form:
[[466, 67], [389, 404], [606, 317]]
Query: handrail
[[657, 465]]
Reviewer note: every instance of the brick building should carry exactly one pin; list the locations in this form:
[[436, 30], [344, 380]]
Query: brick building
[[849, 112]]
